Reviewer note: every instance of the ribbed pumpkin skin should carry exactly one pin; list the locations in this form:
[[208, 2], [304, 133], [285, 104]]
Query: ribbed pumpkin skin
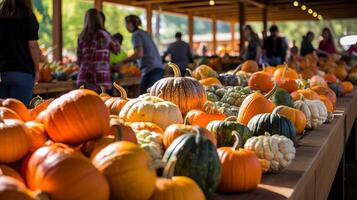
[[241, 170], [138, 126], [37, 134], [187, 93], [282, 97], [222, 130], [12, 189], [273, 124], [8, 171], [177, 188], [197, 158], [252, 105], [18, 107], [39, 108], [76, 117], [14, 140], [52, 168], [202, 118], [7, 113], [126, 167]]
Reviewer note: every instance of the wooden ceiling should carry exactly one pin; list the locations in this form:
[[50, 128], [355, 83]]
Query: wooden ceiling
[[228, 10]]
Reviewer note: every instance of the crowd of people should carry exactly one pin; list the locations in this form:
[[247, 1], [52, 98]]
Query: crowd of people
[[99, 53]]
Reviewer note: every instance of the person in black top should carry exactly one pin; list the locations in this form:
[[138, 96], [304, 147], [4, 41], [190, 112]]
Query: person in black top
[[19, 50], [253, 50], [274, 47]]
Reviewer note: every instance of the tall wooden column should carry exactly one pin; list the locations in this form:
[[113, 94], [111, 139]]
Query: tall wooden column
[[265, 22], [241, 24], [233, 40], [149, 18], [214, 33], [190, 30], [57, 30], [98, 4]]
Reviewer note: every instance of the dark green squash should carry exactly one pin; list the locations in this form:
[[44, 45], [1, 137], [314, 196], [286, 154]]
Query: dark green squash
[[197, 158], [222, 130], [282, 98], [273, 124], [337, 89]]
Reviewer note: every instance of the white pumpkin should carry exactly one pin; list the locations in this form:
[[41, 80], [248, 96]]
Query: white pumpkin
[[151, 142], [314, 110], [278, 150], [151, 109]]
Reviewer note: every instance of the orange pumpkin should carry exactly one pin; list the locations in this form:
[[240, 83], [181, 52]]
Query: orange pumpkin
[[250, 66], [126, 132], [330, 78], [149, 126], [241, 170], [8, 171], [14, 140], [297, 117], [269, 69], [210, 81], [76, 117], [261, 81], [347, 87], [318, 81], [129, 169], [285, 71], [176, 130], [307, 93], [51, 168], [8, 114], [114, 104], [37, 134], [18, 107], [328, 103], [38, 104], [330, 94], [254, 104], [307, 74], [12, 189], [203, 117], [340, 72], [289, 85]]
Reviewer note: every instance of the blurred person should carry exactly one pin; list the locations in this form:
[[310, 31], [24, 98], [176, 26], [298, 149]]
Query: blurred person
[[327, 44], [19, 50], [145, 52], [180, 53], [93, 50], [116, 58], [253, 50], [294, 50], [307, 47], [352, 50], [274, 47]]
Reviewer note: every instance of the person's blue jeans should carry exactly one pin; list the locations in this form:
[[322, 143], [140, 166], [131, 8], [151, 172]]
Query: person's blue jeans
[[150, 78], [18, 85]]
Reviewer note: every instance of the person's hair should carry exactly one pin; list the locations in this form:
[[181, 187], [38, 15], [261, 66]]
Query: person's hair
[[118, 37], [102, 16], [92, 24], [251, 30], [330, 38], [134, 20], [274, 28], [178, 35], [15, 8], [308, 34]]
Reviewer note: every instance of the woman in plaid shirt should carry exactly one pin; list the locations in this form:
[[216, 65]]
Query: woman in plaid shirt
[[94, 47]]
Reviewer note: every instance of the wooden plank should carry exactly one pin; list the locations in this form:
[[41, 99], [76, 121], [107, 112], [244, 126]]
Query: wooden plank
[[149, 19], [190, 29], [57, 30], [98, 4], [214, 34]]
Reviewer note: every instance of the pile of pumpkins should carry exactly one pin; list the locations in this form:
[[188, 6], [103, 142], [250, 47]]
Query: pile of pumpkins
[[170, 143]]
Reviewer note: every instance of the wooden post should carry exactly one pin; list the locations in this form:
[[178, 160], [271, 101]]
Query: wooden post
[[57, 30], [98, 4], [214, 33], [265, 22], [241, 25], [190, 30], [148, 19], [233, 42]]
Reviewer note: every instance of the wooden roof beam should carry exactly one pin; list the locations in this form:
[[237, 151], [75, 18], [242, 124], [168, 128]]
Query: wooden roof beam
[[146, 2]]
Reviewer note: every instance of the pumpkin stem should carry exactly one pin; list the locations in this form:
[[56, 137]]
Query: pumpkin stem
[[230, 119], [271, 93], [186, 121], [190, 72], [169, 169], [176, 69], [263, 67], [237, 69], [102, 89], [278, 109], [82, 87], [210, 108], [118, 130], [239, 141], [42, 195], [36, 101], [121, 90], [156, 164], [284, 71], [302, 97], [267, 134]]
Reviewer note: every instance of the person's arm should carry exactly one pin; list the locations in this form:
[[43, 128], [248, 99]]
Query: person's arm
[[166, 53], [258, 53], [35, 55], [138, 51]]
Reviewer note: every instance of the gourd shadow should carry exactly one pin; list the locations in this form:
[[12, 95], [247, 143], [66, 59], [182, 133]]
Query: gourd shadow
[[259, 193]]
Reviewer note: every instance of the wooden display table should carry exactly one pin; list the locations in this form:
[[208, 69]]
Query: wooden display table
[[66, 86], [313, 170]]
